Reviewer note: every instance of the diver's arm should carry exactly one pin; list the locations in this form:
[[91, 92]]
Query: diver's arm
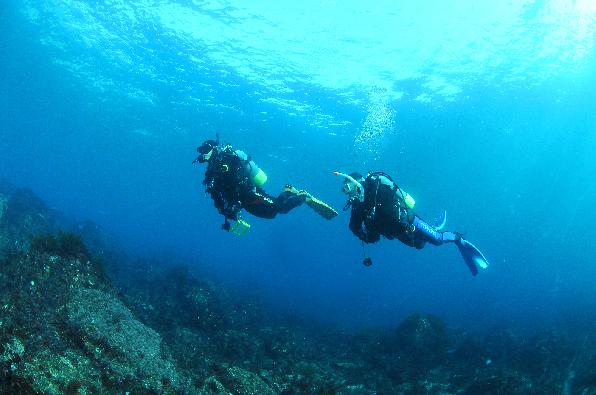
[[219, 202], [228, 209]]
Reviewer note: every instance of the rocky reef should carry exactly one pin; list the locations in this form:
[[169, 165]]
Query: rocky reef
[[67, 327]]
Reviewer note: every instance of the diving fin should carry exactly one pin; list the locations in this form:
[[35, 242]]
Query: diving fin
[[472, 256], [441, 221], [320, 207]]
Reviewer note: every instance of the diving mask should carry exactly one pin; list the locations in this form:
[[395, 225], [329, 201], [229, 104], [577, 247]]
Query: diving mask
[[205, 157], [205, 151], [351, 187]]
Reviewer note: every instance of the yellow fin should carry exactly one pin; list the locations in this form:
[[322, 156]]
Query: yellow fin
[[321, 208]]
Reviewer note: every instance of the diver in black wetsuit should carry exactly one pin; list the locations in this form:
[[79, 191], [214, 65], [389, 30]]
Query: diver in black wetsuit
[[381, 207], [235, 182]]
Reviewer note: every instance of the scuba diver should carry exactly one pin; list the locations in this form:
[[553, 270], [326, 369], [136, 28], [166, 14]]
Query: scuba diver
[[235, 182], [381, 207]]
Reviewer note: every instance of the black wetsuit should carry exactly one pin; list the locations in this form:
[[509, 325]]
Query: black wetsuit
[[383, 212], [227, 180]]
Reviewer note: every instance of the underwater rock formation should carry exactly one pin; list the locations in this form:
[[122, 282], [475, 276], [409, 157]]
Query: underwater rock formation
[[62, 327], [68, 328], [423, 340], [3, 206]]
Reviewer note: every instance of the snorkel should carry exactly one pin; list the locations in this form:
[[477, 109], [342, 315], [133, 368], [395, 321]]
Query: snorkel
[[359, 195]]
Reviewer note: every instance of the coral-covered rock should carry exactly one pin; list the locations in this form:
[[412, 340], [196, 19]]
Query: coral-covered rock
[[238, 346], [71, 372], [3, 206], [312, 378], [212, 386], [27, 215], [509, 383], [65, 331], [65, 328], [12, 351], [4, 239], [128, 353], [242, 382], [423, 339], [583, 381]]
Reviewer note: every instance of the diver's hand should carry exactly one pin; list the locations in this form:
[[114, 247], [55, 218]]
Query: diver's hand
[[226, 225]]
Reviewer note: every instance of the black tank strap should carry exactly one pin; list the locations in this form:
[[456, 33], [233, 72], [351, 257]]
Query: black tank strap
[[395, 187], [379, 173]]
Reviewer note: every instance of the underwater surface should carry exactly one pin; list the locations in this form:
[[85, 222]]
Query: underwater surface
[[116, 277]]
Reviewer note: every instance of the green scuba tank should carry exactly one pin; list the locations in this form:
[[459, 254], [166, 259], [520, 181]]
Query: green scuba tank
[[408, 199], [257, 175], [386, 180]]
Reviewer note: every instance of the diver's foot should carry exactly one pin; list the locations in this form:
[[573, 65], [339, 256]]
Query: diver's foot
[[306, 194], [458, 238], [290, 189], [320, 207], [299, 192], [452, 237]]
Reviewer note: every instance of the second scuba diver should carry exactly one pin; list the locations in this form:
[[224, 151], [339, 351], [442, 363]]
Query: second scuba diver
[[381, 207], [235, 182]]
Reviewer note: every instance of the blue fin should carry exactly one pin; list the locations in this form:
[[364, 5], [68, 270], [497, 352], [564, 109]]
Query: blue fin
[[441, 221], [472, 256]]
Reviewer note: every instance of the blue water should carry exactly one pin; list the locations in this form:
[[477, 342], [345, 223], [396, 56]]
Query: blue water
[[485, 110]]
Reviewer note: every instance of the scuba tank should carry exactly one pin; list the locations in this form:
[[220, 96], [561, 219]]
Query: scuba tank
[[255, 174], [408, 199], [386, 180]]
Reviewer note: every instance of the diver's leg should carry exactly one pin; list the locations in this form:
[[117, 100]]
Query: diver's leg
[[401, 229], [289, 199], [263, 205], [472, 256], [451, 237], [260, 204], [424, 231], [411, 240]]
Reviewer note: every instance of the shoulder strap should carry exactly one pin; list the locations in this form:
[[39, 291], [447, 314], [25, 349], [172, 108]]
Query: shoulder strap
[[378, 174], [242, 155], [383, 178]]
